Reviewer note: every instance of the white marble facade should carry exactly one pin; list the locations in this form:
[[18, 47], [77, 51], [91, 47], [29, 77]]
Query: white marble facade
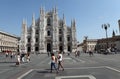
[[48, 33]]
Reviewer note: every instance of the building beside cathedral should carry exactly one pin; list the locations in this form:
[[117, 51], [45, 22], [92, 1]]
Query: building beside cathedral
[[8, 42], [48, 33]]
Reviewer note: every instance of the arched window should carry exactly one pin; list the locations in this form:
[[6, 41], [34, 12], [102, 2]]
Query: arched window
[[68, 38], [60, 31], [36, 48], [29, 39], [48, 32], [36, 39], [37, 31], [60, 39], [48, 22]]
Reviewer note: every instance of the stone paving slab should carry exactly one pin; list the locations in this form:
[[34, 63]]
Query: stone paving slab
[[76, 78], [96, 72]]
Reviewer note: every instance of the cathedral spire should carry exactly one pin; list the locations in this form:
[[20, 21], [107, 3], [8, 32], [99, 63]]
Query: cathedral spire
[[119, 25], [24, 26], [63, 17], [55, 9], [33, 20], [64, 21], [24, 36], [23, 22], [113, 34], [41, 10], [71, 23], [74, 23]]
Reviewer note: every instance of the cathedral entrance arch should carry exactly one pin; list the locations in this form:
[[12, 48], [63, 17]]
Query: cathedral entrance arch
[[61, 48], [69, 48], [49, 47], [28, 49]]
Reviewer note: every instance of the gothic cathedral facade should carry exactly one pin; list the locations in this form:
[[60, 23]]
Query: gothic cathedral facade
[[48, 33]]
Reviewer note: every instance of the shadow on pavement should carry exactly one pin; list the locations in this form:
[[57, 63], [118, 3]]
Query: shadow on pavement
[[45, 71], [6, 62]]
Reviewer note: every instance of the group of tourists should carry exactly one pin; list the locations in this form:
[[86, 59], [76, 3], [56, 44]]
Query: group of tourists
[[77, 53], [11, 55], [57, 60], [21, 58]]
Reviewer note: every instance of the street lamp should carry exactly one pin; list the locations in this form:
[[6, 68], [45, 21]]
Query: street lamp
[[106, 26], [86, 37]]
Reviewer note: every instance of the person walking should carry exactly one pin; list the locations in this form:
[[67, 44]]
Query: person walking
[[48, 53], [60, 61], [68, 53], [90, 53], [18, 59], [53, 63], [78, 53], [28, 57]]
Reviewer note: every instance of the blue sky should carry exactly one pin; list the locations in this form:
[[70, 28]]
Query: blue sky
[[89, 15]]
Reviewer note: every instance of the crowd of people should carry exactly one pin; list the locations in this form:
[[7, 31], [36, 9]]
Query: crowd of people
[[20, 57], [56, 58]]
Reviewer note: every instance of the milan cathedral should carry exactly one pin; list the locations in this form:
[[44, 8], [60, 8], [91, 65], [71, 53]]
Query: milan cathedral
[[48, 33]]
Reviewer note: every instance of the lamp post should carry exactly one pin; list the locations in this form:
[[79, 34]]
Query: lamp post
[[106, 26], [0, 45], [86, 49]]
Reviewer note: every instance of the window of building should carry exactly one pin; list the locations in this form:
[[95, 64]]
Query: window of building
[[48, 22], [60, 39], [60, 31], [37, 32], [68, 38], [36, 48], [28, 49], [61, 48], [36, 39], [48, 33], [28, 39], [69, 48]]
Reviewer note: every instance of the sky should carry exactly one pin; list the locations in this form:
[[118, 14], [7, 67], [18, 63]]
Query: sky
[[89, 15]]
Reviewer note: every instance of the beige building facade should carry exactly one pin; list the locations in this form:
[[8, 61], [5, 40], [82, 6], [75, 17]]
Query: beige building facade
[[89, 45], [8, 42], [99, 44], [111, 42]]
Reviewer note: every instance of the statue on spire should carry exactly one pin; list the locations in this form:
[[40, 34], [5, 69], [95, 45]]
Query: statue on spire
[[113, 34], [64, 22], [33, 20]]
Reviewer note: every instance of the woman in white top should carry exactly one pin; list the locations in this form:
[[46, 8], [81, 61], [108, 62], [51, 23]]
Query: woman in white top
[[60, 59], [18, 59]]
